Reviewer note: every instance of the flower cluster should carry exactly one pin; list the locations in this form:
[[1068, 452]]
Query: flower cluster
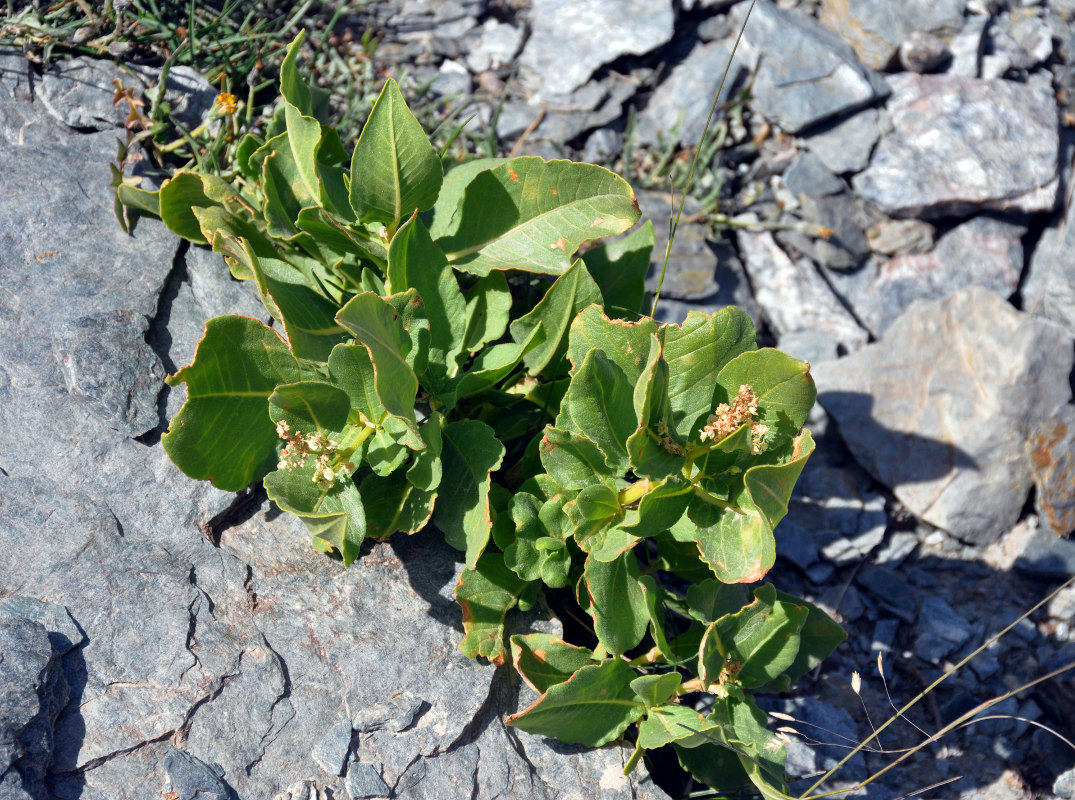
[[227, 103], [324, 450], [727, 419]]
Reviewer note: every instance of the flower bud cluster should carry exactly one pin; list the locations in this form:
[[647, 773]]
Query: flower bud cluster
[[726, 420], [324, 451]]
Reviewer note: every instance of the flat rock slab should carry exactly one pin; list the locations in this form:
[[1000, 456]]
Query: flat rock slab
[[563, 52], [961, 144], [1049, 288], [876, 28], [940, 410], [807, 73]]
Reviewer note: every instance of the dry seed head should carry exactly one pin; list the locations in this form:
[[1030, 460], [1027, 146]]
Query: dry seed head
[[726, 419]]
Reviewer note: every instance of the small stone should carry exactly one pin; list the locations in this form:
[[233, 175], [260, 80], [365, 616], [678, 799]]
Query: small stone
[[331, 752], [966, 48], [395, 714], [940, 630], [884, 635], [846, 145], [1049, 288], [453, 80], [1062, 607], [901, 545], [923, 52], [807, 74], [364, 780], [945, 426], [1052, 465], [959, 144], [602, 146], [900, 237], [79, 93], [497, 47], [889, 588], [563, 52], [796, 544], [813, 347], [190, 778], [1023, 39], [1064, 785], [1047, 555]]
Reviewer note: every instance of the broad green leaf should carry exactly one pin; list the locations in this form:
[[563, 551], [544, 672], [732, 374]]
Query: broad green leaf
[[303, 131], [656, 690], [333, 514], [394, 504], [593, 707], [292, 87], [598, 502], [653, 449], [696, 353], [223, 432], [628, 344], [573, 461], [486, 592], [619, 267], [143, 200], [184, 192], [782, 385], [490, 367], [411, 314], [395, 170], [471, 452], [710, 600], [569, 294], [376, 325], [310, 407], [284, 189], [655, 609], [715, 766], [414, 262], [660, 507], [487, 312], [598, 407], [761, 640], [738, 543], [543, 660], [675, 723], [538, 552], [760, 752], [532, 215], [819, 636], [425, 470], [447, 216], [617, 604]]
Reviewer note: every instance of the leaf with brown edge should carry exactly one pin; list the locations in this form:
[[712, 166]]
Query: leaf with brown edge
[[486, 594], [543, 660]]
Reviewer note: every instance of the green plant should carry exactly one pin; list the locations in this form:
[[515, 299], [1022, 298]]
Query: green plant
[[447, 361]]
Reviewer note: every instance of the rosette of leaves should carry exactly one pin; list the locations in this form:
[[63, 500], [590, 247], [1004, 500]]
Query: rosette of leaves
[[440, 355]]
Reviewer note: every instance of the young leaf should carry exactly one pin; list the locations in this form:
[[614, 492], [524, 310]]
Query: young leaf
[[653, 450], [761, 639], [285, 192], [415, 262], [656, 690], [573, 461], [532, 215], [375, 323], [333, 514], [395, 170], [696, 353], [783, 387], [598, 407], [569, 294], [489, 367], [303, 131], [593, 707], [471, 452], [223, 432], [537, 552], [819, 636], [186, 191], [619, 267], [761, 754], [660, 507], [426, 471], [486, 592], [675, 723], [543, 660], [394, 504], [617, 604]]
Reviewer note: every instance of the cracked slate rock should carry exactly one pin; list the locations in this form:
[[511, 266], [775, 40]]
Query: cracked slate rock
[[79, 93], [807, 73], [190, 778], [563, 52], [33, 690], [876, 28], [63, 633], [1052, 464], [1049, 288], [940, 410], [363, 780], [960, 144], [846, 145], [983, 252]]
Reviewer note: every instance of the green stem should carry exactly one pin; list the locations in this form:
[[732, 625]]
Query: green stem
[[635, 492], [632, 762]]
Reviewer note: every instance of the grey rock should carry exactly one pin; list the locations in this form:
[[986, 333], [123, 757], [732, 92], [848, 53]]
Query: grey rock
[[1049, 288], [888, 587], [807, 73], [846, 145], [681, 103], [1047, 555], [901, 545], [791, 293], [808, 175], [363, 780], [452, 80], [1022, 38], [983, 252], [186, 91], [901, 237], [395, 714], [33, 690], [845, 518], [884, 635], [811, 346], [940, 409], [692, 265], [190, 778], [63, 633], [331, 752], [875, 28], [995, 65], [1052, 465], [563, 52], [960, 144], [303, 790], [940, 629], [498, 46], [602, 146], [80, 92], [216, 292], [808, 758], [105, 360], [966, 48], [1064, 785], [796, 543], [561, 118], [923, 52]]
